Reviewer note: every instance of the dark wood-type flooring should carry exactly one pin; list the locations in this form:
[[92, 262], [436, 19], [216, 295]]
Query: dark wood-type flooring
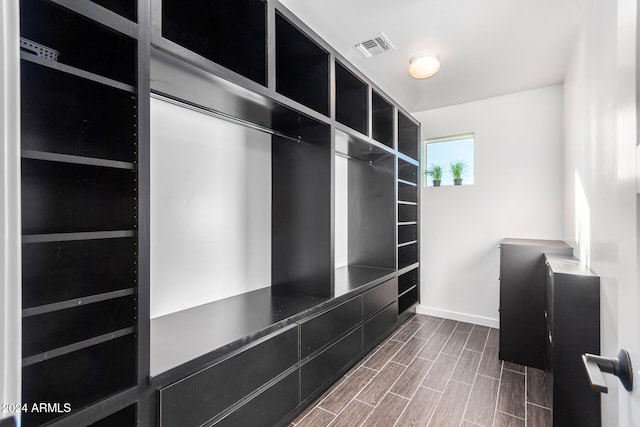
[[434, 372]]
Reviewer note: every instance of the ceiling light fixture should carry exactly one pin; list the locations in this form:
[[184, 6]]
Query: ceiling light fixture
[[424, 65]]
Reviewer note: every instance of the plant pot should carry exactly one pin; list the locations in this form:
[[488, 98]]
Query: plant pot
[[457, 181], [436, 183]]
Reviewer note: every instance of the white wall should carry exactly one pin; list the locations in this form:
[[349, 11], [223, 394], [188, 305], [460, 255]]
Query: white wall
[[341, 196], [10, 266], [210, 208], [517, 193], [599, 174]]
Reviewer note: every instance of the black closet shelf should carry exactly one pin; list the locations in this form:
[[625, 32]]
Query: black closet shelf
[[357, 277], [64, 68], [101, 14], [408, 159], [407, 269], [27, 361], [352, 144], [402, 202], [78, 160], [413, 184], [76, 302], [85, 235], [407, 243], [407, 291]]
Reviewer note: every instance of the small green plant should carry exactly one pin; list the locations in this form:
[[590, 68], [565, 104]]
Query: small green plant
[[458, 169], [435, 172]]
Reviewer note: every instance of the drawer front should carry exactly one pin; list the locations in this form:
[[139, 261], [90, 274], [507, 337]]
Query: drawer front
[[267, 408], [326, 327], [379, 324], [203, 395], [379, 297], [319, 370]]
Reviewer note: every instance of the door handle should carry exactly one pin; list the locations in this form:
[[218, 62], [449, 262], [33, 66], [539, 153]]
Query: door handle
[[619, 366]]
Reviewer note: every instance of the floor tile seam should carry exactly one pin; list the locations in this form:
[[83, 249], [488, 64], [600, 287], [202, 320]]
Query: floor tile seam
[[388, 389], [539, 406], [511, 370], [435, 406], [361, 401], [488, 376], [470, 422], [353, 398], [412, 357], [388, 361], [495, 408], [378, 404], [525, 391], [466, 406], [419, 382], [511, 415], [411, 400], [357, 392], [484, 344], [399, 395], [424, 358], [329, 412]]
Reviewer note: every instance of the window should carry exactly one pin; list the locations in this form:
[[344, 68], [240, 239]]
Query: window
[[446, 152]]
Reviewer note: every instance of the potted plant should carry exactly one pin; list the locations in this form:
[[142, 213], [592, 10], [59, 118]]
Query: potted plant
[[436, 174], [457, 170]]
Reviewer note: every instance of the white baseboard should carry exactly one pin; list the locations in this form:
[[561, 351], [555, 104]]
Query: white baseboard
[[461, 317]]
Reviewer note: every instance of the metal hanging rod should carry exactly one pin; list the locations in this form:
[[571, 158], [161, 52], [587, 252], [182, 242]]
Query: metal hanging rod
[[348, 157], [220, 115]]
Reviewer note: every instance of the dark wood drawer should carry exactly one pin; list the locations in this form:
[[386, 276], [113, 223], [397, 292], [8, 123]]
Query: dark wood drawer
[[379, 324], [379, 297], [203, 395], [322, 368], [326, 327], [268, 407]]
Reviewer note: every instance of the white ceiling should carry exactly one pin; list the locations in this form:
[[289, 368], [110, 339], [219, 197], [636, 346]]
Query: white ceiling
[[487, 47]]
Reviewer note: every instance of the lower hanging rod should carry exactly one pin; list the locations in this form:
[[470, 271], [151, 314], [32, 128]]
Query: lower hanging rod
[[348, 157]]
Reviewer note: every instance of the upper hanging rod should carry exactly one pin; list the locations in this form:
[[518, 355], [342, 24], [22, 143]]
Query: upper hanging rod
[[220, 115]]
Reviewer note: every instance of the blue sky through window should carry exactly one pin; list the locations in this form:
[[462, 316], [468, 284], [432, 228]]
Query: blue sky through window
[[444, 151]]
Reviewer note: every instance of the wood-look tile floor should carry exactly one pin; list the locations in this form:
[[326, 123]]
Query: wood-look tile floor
[[434, 372]]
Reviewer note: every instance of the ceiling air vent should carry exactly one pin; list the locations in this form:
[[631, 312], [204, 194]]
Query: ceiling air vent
[[374, 46]]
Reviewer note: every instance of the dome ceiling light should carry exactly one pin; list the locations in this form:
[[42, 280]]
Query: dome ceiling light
[[424, 65]]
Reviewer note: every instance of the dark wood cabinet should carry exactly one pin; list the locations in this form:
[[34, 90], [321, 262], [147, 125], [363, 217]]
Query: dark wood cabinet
[[572, 329], [200, 397], [522, 290], [321, 330]]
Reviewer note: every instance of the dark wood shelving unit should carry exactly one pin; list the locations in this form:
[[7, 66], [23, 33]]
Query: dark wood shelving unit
[[352, 99], [408, 289], [302, 67], [80, 207], [381, 119], [408, 227], [370, 189], [301, 195], [86, 213], [408, 136], [407, 172], [125, 8], [228, 32]]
